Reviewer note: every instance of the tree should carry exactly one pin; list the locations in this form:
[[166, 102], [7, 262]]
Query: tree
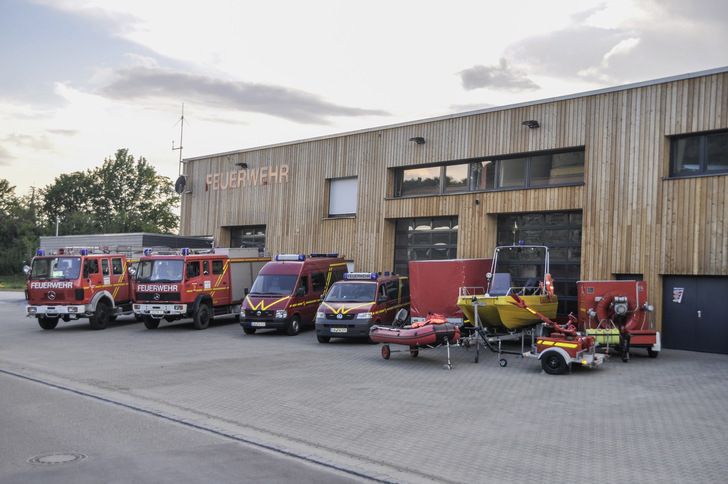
[[123, 195], [18, 230]]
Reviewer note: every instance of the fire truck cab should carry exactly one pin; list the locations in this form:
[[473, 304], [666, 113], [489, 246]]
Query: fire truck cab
[[197, 285], [288, 291], [361, 300], [74, 284]]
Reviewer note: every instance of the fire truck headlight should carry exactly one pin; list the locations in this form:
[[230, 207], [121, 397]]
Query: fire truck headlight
[[32, 310], [320, 315], [281, 314], [137, 307], [364, 316], [72, 310]]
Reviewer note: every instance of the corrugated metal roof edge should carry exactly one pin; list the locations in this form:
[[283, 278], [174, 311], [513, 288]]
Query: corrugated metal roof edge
[[596, 92]]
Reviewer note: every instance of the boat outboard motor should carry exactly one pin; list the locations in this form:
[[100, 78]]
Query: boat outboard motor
[[400, 319]]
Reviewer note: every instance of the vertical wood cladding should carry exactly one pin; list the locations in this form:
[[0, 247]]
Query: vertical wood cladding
[[635, 219]]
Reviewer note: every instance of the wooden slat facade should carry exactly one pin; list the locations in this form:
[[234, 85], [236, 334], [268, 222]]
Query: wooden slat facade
[[635, 219]]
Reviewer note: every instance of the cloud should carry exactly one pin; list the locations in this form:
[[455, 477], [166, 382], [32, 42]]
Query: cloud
[[500, 77], [144, 82]]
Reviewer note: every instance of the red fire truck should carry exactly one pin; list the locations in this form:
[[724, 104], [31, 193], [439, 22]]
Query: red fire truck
[[73, 284], [196, 285]]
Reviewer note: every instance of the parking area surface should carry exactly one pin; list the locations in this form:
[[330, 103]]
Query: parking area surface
[[399, 420]]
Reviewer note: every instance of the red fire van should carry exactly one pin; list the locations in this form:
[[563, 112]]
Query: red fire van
[[288, 290], [362, 299]]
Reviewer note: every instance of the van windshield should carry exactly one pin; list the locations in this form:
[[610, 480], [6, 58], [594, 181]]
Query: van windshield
[[359, 292], [274, 284]]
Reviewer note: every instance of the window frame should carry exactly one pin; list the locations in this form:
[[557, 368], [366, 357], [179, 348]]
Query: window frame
[[487, 175], [703, 161]]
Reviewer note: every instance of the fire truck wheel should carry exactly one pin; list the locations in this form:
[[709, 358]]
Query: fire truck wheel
[[294, 326], [47, 323], [202, 316], [553, 363], [150, 322], [247, 330], [100, 318], [323, 339], [652, 353]]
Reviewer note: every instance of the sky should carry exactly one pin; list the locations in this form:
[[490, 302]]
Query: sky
[[81, 79]]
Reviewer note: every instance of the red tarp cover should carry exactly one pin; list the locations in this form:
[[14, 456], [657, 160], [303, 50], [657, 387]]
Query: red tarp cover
[[435, 284]]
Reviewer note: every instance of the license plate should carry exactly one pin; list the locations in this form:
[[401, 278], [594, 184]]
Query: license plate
[[258, 323], [156, 313], [338, 330]]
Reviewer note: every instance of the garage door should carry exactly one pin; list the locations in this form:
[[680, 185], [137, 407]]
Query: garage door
[[694, 316]]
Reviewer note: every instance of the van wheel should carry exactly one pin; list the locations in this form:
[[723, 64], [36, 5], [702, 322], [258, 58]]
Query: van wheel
[[323, 339], [100, 318], [247, 330], [150, 322], [47, 323], [202, 316], [294, 326]]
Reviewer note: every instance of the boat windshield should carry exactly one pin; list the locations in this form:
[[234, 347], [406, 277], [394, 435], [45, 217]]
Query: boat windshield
[[519, 267], [274, 284], [160, 270], [357, 292], [67, 268]]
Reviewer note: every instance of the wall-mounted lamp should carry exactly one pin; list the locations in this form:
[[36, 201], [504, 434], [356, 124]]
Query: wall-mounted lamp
[[531, 123], [418, 139], [241, 164]]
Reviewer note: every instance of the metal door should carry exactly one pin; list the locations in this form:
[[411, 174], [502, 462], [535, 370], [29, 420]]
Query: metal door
[[694, 316]]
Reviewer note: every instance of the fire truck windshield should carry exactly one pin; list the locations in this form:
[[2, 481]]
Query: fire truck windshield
[[352, 292], [56, 268], [160, 271], [274, 284]]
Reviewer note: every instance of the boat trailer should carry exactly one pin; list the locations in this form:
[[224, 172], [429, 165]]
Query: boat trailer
[[558, 351]]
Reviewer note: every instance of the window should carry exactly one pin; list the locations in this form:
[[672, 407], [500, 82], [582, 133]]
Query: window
[[217, 267], [205, 268], [193, 269], [318, 281], [105, 267], [117, 268], [248, 236], [548, 169], [704, 154], [342, 196]]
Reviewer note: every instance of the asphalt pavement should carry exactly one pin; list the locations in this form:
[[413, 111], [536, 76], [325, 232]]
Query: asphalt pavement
[[343, 410]]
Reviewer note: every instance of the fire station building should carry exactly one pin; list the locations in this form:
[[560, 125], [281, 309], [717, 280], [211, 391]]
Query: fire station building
[[629, 182]]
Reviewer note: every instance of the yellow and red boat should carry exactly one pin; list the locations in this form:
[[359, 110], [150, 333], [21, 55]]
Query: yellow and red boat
[[519, 269]]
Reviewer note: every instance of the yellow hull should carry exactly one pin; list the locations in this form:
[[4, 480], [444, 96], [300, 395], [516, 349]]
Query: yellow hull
[[498, 311]]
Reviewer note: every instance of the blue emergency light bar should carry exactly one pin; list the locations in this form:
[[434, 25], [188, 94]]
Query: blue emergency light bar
[[147, 251], [324, 255], [84, 251], [296, 257], [185, 251], [361, 276], [41, 252]]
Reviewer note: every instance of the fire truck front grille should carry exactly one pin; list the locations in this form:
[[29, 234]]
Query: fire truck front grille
[[254, 313], [344, 317], [153, 297]]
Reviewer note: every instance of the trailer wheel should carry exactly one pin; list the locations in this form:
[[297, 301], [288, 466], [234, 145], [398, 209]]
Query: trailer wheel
[[553, 363], [150, 322], [503, 362], [248, 330], [102, 315], [385, 352], [323, 339], [414, 352], [48, 323], [294, 326], [202, 316]]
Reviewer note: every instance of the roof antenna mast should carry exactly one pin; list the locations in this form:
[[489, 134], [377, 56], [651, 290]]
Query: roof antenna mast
[[181, 132]]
